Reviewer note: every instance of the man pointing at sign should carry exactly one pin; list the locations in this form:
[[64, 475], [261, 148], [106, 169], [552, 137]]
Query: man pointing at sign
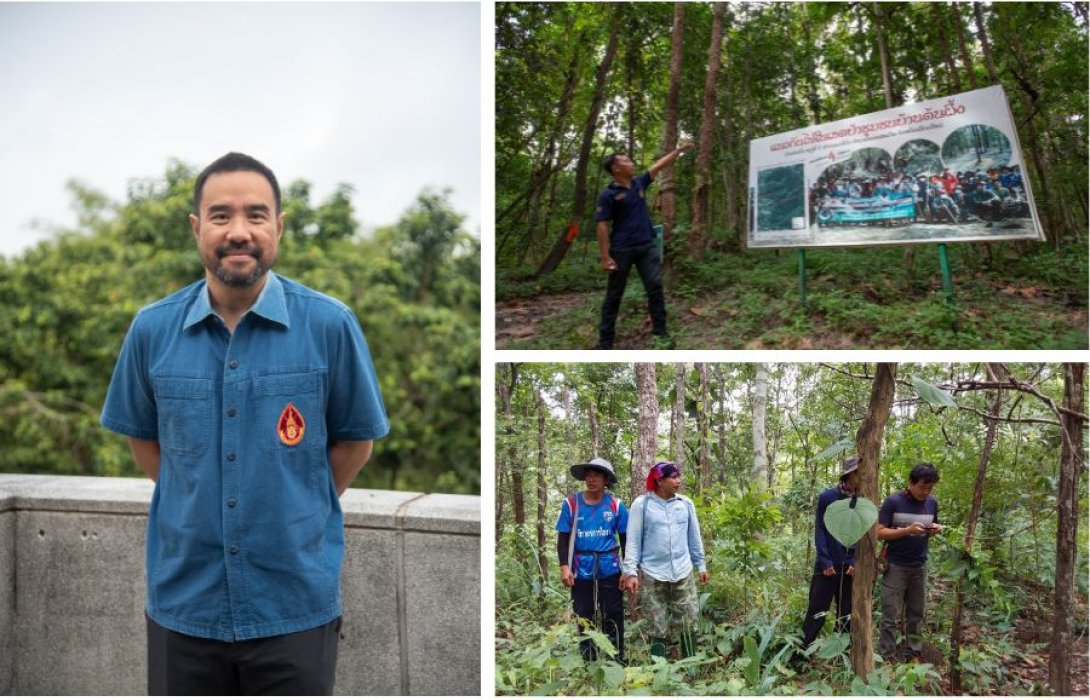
[[626, 238]]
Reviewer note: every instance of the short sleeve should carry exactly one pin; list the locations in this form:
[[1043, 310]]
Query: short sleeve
[[130, 407], [885, 513], [604, 209], [355, 410], [563, 523], [645, 180]]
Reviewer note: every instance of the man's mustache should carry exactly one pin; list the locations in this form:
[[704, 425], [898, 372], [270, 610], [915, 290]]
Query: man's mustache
[[251, 250]]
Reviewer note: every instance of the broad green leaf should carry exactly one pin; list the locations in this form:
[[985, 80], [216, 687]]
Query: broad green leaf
[[933, 395], [848, 524], [834, 645], [838, 447], [614, 674], [550, 688]]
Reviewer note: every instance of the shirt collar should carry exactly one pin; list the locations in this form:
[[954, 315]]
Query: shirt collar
[[270, 304]]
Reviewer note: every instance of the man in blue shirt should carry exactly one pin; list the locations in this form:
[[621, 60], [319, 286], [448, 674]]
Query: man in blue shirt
[[834, 565], [590, 561], [631, 242], [664, 550], [252, 403], [905, 522]]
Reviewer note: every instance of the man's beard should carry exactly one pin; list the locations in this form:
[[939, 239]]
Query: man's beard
[[232, 279]]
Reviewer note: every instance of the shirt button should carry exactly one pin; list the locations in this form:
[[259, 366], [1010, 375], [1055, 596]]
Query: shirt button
[[230, 413], [230, 456], [234, 549], [234, 364], [231, 502]]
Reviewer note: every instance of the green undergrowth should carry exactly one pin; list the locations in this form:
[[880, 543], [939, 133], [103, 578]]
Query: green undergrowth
[[1024, 297], [751, 616]]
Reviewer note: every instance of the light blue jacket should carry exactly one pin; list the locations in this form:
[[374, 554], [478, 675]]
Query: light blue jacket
[[663, 538]]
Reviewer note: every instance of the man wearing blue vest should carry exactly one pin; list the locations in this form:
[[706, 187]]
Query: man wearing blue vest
[[906, 520], [252, 403], [590, 545], [630, 242]]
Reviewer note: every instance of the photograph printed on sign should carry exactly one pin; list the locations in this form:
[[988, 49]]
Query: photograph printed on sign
[[948, 169]]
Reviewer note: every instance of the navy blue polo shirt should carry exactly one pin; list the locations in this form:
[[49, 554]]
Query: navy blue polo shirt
[[901, 510], [245, 531], [626, 207]]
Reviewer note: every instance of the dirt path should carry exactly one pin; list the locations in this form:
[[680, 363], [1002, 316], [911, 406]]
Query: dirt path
[[518, 319]]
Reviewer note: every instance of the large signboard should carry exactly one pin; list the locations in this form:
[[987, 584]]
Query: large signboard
[[949, 169]]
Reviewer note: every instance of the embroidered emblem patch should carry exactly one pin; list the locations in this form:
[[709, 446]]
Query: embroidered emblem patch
[[291, 426]]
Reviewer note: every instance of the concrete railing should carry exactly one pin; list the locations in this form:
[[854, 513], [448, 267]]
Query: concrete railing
[[72, 590]]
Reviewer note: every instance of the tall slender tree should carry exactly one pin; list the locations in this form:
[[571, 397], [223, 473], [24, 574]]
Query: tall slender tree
[[698, 235], [868, 444]]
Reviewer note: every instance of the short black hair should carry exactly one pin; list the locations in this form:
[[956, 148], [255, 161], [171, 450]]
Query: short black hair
[[232, 163], [925, 472], [607, 163]]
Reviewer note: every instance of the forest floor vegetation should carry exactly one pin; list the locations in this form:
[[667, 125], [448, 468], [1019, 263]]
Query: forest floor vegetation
[[1023, 297]]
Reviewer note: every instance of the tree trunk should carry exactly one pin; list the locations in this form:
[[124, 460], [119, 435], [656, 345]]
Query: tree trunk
[[1059, 664], [985, 46], [721, 427], [698, 237], [703, 408], [560, 248], [667, 195], [500, 479], [542, 495], [760, 437], [592, 416], [647, 437], [996, 373], [677, 418], [868, 444], [883, 53], [959, 30], [944, 43], [506, 390]]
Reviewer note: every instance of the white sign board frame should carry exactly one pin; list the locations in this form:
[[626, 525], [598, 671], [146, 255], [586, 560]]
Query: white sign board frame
[[856, 182]]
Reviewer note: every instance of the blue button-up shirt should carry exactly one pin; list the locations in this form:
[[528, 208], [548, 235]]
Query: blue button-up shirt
[[663, 538], [245, 531]]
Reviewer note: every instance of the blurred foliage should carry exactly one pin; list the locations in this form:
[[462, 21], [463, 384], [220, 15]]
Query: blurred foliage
[[415, 286]]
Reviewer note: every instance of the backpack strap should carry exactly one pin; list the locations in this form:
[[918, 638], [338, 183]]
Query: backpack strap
[[573, 507]]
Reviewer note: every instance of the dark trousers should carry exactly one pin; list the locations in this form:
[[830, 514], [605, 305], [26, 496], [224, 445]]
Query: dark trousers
[[610, 605], [302, 663], [648, 264], [823, 591]]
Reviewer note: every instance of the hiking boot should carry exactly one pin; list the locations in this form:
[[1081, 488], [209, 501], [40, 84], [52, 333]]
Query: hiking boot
[[658, 647]]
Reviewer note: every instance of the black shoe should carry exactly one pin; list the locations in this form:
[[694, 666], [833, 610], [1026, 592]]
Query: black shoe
[[603, 346], [797, 662]]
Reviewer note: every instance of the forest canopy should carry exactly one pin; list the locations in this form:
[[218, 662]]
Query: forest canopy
[[415, 286], [756, 444]]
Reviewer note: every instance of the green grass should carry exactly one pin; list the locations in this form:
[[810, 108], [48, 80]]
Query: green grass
[[1034, 298]]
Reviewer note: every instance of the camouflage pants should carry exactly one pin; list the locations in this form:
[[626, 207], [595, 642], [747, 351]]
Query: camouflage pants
[[669, 606]]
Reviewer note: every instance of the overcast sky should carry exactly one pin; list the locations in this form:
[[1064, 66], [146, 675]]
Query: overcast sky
[[383, 96]]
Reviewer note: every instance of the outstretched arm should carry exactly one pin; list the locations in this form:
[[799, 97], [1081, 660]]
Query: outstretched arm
[[670, 157]]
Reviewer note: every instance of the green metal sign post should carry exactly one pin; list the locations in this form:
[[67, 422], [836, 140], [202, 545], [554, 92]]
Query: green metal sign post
[[948, 282]]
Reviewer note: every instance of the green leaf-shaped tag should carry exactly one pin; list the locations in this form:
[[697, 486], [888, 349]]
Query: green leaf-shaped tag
[[847, 524], [932, 394]]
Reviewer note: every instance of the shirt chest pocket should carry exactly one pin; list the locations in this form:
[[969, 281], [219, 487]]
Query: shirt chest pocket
[[290, 411], [185, 415]]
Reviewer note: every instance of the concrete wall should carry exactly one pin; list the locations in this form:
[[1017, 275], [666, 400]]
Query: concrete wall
[[72, 590]]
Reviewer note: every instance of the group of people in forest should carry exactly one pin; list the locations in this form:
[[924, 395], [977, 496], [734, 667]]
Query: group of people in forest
[[947, 197], [654, 549]]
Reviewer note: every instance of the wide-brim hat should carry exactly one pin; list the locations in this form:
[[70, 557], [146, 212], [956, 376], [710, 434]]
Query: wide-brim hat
[[848, 466], [579, 471]]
